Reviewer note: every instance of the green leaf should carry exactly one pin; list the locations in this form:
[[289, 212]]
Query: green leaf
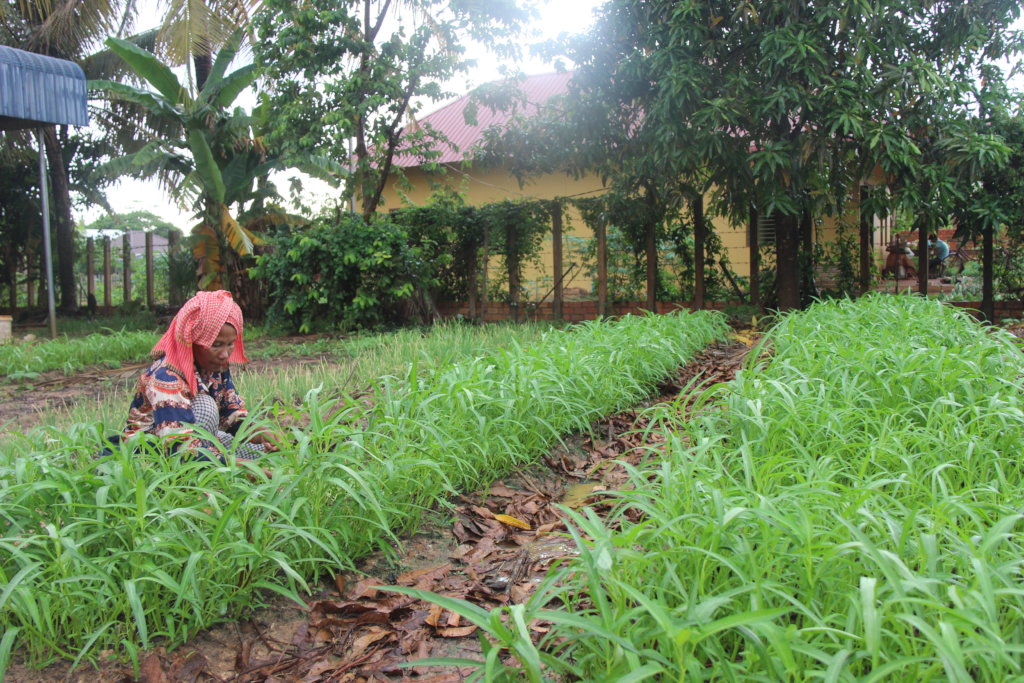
[[220, 65], [234, 84], [206, 165], [146, 65]]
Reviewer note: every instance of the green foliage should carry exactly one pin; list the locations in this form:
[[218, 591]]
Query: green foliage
[[20, 217], [337, 74], [213, 158], [136, 220], [516, 231], [785, 107], [138, 548], [453, 232], [344, 274], [841, 258], [626, 220]]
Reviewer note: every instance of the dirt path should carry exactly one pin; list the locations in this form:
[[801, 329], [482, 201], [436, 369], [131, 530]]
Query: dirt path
[[495, 552]]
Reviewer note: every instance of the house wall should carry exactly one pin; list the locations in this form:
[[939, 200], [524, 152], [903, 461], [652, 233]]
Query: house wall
[[485, 185]]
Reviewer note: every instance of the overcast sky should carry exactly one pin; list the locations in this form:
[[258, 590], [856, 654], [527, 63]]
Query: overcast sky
[[557, 16]]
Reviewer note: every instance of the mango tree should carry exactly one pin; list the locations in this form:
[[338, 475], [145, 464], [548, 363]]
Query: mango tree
[[787, 107]]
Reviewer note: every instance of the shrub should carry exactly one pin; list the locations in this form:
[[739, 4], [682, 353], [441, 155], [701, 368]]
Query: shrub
[[344, 273]]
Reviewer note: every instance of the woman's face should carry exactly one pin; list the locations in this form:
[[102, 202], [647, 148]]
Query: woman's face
[[215, 358]]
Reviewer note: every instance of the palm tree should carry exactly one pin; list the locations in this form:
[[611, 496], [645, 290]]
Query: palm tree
[[213, 160], [64, 29], [71, 29]]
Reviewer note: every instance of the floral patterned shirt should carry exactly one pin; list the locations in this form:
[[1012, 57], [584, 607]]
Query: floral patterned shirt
[[163, 403]]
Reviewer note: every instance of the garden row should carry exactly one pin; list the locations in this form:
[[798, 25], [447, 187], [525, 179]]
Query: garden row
[[137, 548], [849, 508]]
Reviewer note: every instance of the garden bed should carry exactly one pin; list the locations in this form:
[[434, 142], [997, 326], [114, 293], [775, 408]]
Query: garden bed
[[134, 550], [354, 631]]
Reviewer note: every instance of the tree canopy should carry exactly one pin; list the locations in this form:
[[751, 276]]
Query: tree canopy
[[346, 77], [788, 106]]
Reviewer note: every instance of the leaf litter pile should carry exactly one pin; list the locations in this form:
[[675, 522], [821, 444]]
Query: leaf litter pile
[[495, 552]]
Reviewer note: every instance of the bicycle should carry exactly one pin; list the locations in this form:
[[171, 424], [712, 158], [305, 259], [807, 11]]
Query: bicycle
[[954, 263]]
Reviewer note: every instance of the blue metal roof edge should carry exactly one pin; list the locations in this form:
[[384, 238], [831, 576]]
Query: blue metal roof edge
[[36, 89]]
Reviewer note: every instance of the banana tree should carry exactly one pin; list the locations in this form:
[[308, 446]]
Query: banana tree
[[214, 161]]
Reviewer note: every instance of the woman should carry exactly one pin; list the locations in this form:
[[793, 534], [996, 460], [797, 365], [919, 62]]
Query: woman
[[189, 384]]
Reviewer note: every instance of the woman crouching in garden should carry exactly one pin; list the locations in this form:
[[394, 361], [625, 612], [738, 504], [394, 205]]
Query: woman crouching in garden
[[188, 387]]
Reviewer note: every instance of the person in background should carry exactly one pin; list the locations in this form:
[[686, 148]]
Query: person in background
[[938, 249], [189, 384], [899, 263]]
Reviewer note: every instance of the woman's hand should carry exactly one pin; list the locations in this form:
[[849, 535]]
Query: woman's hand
[[269, 439]]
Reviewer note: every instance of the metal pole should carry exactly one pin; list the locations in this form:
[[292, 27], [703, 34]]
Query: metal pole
[[47, 258]]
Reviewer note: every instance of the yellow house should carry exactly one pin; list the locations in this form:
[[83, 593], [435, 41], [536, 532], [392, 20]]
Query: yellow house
[[489, 183]]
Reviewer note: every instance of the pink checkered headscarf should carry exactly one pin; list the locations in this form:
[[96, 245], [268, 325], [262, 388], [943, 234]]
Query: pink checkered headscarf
[[199, 321]]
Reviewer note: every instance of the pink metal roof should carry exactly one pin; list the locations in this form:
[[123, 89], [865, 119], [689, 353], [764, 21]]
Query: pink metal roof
[[449, 119]]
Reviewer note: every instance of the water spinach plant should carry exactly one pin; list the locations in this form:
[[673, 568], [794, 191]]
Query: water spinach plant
[[138, 548], [849, 508]]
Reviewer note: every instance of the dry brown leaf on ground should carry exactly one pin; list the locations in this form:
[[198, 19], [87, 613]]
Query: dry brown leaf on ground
[[512, 521], [423, 578]]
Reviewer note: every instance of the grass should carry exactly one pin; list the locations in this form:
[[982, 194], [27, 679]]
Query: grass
[[849, 508], [138, 549], [347, 365], [27, 360]]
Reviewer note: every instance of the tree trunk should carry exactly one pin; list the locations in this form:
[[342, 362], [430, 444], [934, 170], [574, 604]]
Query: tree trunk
[[651, 239], [699, 235], [202, 63], [988, 309], [63, 222], [12, 279], [866, 220], [922, 256], [755, 259], [787, 261]]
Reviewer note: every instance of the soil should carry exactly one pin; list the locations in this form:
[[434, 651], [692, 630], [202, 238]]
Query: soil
[[493, 550]]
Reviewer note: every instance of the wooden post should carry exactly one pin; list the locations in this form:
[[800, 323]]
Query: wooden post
[[602, 266], [30, 285], [172, 250], [988, 308], [150, 303], [651, 249], [472, 284], [90, 270], [12, 282], [699, 235], [556, 259], [483, 276], [865, 240], [922, 256], [108, 280], [512, 255], [126, 267], [755, 259]]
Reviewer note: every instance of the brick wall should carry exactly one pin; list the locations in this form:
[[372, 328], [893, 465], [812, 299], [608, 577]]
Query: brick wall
[[577, 311], [572, 311], [1003, 309]]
